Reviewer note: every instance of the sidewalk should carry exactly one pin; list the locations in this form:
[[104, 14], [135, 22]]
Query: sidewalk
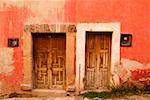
[[48, 98], [134, 97]]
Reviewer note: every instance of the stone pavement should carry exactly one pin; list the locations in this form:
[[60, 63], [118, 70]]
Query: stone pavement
[[48, 98], [134, 97]]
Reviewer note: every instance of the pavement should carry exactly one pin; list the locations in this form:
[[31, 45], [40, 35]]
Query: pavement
[[133, 97]]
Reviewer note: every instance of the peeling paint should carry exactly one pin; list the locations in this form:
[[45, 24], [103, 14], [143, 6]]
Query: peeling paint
[[6, 60], [14, 14], [43, 11], [12, 20], [128, 68], [142, 75], [131, 64], [53, 11]]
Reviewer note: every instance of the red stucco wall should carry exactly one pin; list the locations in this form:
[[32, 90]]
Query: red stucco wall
[[133, 16], [12, 19]]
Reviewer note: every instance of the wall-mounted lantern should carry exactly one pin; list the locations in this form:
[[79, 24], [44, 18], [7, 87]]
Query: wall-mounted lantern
[[126, 40], [13, 42]]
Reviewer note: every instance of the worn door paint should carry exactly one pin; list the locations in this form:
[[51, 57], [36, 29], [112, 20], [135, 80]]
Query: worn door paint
[[49, 60], [98, 48]]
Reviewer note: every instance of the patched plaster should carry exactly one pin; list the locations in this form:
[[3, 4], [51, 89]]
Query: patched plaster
[[128, 65], [131, 64], [43, 11], [53, 8], [6, 60], [124, 69]]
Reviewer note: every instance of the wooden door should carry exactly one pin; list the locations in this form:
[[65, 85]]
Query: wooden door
[[98, 46], [49, 60]]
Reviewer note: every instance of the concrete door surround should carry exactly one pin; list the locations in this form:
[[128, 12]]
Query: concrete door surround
[[69, 29], [75, 47], [80, 48]]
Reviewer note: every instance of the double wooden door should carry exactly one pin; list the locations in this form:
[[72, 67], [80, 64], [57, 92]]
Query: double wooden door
[[97, 60], [49, 60]]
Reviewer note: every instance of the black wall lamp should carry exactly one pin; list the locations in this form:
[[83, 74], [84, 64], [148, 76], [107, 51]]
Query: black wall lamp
[[13, 42], [126, 40]]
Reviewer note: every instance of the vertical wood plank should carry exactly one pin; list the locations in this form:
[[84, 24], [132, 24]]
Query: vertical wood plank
[[49, 56], [100, 61]]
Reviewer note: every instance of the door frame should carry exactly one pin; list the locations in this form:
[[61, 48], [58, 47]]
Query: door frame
[[27, 51], [114, 28]]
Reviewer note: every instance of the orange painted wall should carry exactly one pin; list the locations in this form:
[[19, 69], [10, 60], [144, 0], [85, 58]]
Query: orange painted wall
[[133, 16], [12, 19]]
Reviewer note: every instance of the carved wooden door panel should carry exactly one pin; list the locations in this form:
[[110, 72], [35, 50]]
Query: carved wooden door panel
[[49, 61], [97, 60]]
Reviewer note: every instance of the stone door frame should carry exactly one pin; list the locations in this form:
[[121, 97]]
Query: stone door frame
[[69, 29], [73, 33], [114, 28]]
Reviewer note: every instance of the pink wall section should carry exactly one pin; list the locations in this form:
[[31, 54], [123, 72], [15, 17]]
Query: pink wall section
[[133, 16]]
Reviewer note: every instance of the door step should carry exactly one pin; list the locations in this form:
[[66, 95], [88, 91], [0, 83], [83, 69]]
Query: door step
[[48, 93]]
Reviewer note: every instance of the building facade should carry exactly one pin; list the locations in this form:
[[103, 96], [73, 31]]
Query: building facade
[[73, 45]]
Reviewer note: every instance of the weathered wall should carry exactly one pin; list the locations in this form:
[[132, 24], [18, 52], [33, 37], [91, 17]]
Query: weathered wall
[[14, 14], [12, 19], [133, 16]]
